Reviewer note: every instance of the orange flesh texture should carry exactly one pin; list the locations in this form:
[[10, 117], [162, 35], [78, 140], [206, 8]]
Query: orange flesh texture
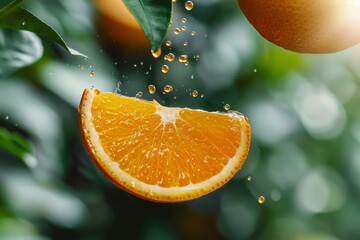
[[159, 152]]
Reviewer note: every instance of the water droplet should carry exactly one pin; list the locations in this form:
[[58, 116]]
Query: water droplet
[[187, 64], [202, 95], [157, 53], [168, 43], [194, 93], [165, 68], [152, 89], [170, 57], [139, 94], [166, 57], [92, 73], [174, 1], [189, 5], [227, 107], [197, 57], [135, 65], [261, 199], [193, 33], [7, 117], [183, 58], [247, 119], [183, 20], [192, 77], [175, 97], [249, 178], [132, 184], [83, 67], [255, 70], [183, 28], [170, 23], [168, 88], [23, 23], [177, 31], [185, 43]]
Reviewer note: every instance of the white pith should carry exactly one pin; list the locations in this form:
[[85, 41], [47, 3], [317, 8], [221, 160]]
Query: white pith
[[167, 115]]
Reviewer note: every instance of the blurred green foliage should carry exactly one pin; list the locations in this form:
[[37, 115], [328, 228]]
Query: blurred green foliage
[[304, 158]]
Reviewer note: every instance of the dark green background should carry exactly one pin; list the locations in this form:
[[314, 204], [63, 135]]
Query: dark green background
[[304, 112]]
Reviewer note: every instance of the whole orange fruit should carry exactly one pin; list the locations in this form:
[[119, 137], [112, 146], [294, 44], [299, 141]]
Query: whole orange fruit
[[306, 26], [116, 22]]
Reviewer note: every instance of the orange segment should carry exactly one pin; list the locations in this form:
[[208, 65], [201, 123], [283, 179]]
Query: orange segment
[[159, 153]]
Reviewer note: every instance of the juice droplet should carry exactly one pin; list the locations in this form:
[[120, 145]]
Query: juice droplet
[[165, 68], [83, 67], [92, 73], [168, 88], [166, 57], [168, 43], [183, 58], [170, 57], [183, 28], [247, 119], [202, 95], [189, 5], [193, 33], [249, 178], [157, 53], [152, 89], [139, 94], [227, 107], [177, 31], [261, 199], [183, 20], [170, 24], [194, 93], [185, 43]]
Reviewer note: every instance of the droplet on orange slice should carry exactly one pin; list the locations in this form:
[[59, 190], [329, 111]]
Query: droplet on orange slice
[[159, 153]]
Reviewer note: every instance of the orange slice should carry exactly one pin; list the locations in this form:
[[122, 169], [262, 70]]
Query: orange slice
[[162, 154]]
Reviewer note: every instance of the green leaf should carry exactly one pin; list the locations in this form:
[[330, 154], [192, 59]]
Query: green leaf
[[18, 49], [153, 16], [15, 17], [14, 144], [4, 3]]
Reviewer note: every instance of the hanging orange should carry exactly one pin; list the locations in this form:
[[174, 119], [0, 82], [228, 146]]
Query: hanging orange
[[306, 26]]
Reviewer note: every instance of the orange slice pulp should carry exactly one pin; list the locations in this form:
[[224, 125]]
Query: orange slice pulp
[[159, 153]]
